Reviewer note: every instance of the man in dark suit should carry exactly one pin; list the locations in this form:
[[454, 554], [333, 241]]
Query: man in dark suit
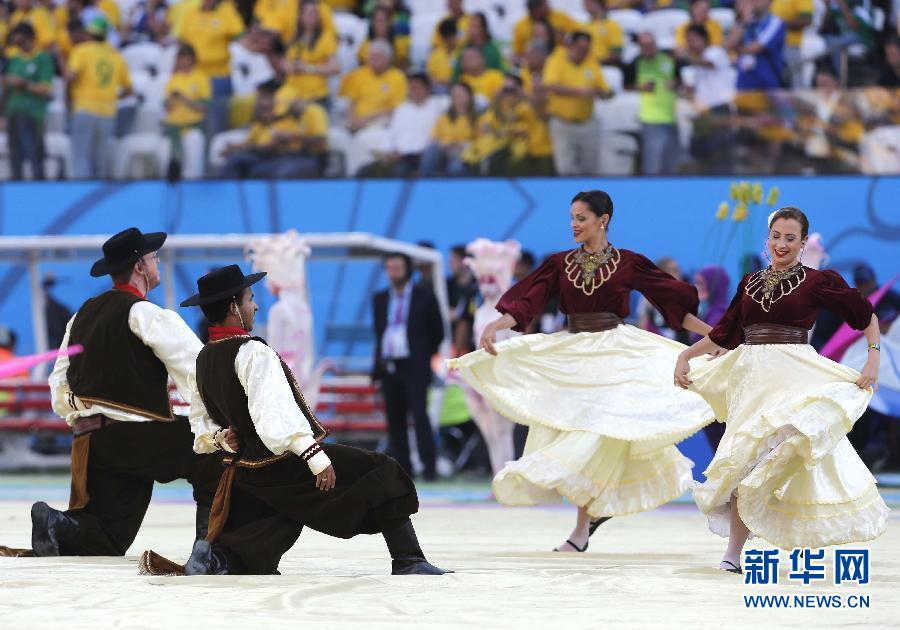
[[408, 331]]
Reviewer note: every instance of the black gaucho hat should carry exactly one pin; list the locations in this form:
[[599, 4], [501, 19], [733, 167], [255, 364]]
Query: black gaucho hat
[[126, 248], [222, 283]]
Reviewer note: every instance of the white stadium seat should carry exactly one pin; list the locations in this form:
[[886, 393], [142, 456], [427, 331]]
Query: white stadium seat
[[614, 78], [352, 32], [812, 46], [422, 27], [663, 24], [218, 144], [724, 16], [618, 153], [619, 113], [630, 20]]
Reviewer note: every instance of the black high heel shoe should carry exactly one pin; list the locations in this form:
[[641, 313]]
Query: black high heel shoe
[[593, 527]]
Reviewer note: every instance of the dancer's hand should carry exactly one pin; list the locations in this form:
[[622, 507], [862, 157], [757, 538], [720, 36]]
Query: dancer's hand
[[231, 439], [682, 369], [488, 338], [868, 376], [326, 479]]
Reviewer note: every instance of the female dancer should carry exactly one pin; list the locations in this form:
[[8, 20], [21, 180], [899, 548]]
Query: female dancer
[[602, 427], [784, 470]]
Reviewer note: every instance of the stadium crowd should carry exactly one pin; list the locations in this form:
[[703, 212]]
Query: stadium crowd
[[305, 88]]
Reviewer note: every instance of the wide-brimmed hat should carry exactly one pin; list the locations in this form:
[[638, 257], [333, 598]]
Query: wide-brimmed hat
[[222, 283], [126, 248]]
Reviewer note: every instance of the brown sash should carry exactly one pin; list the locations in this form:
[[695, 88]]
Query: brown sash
[[81, 448], [221, 505], [593, 322], [758, 334]]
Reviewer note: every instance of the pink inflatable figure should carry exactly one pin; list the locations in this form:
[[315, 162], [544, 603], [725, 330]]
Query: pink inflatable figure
[[493, 264], [289, 329]]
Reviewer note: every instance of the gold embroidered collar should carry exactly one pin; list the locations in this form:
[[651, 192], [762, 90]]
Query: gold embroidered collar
[[767, 286], [589, 270]]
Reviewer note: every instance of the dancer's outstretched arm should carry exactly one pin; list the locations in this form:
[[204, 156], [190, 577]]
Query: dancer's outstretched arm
[[682, 368], [489, 336], [695, 324], [869, 374]]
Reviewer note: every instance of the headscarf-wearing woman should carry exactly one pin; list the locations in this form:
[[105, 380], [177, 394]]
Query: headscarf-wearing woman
[[784, 470], [602, 419]]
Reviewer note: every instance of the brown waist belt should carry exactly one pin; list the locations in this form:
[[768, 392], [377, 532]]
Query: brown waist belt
[[91, 423], [757, 334], [221, 505], [593, 322]]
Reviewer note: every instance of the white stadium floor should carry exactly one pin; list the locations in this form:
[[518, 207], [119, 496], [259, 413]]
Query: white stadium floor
[[652, 570]]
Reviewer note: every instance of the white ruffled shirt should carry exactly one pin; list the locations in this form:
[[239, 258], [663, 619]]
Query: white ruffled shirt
[[276, 416], [163, 331]]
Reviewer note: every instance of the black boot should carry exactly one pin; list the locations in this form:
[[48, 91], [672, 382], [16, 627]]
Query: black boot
[[406, 555], [202, 522], [49, 528], [207, 560]]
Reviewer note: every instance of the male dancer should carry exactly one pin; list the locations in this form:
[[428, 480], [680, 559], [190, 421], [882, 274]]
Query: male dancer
[[115, 397], [285, 478]]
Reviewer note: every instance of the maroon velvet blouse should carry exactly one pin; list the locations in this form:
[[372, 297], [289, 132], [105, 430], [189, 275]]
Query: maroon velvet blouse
[[608, 290], [792, 300]]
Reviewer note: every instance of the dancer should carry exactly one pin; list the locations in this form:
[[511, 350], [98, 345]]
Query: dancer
[[115, 397], [493, 265], [602, 426], [285, 478], [784, 470]]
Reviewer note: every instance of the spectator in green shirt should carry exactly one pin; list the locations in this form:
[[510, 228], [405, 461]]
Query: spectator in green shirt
[[653, 73], [27, 81]]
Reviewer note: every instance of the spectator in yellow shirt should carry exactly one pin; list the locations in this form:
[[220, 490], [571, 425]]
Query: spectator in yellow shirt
[[573, 81], [452, 133], [440, 61], [381, 27], [505, 145], [532, 69], [312, 57], [85, 10], [40, 19], [457, 15], [699, 17], [374, 91], [97, 76], [187, 97], [282, 17], [796, 15], [485, 82], [210, 27], [291, 143], [607, 37], [561, 22]]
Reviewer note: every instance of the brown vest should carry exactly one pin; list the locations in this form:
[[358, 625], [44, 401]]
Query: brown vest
[[116, 368], [227, 403]]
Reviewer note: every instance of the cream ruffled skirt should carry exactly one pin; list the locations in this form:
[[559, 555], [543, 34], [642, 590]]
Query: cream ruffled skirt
[[785, 454], [603, 418]]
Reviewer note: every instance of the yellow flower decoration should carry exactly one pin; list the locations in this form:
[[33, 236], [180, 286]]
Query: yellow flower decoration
[[745, 192], [734, 191], [722, 212], [772, 199], [740, 212], [756, 192]]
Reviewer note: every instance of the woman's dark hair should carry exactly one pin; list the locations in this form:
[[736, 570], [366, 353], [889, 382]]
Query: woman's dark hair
[[789, 212], [481, 17], [186, 50], [597, 201], [470, 112], [216, 312], [317, 32], [387, 12], [447, 28], [552, 43]]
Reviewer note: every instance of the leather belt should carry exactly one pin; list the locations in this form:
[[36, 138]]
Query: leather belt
[[593, 322], [758, 334], [88, 424]]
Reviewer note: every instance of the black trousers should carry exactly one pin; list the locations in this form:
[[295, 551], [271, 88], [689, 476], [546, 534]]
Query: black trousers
[[405, 390], [271, 505], [124, 461]]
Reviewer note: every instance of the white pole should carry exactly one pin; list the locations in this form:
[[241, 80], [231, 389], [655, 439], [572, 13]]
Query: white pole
[[168, 257], [38, 312]]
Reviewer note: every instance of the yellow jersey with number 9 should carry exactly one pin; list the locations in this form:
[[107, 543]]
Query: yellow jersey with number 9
[[100, 74]]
